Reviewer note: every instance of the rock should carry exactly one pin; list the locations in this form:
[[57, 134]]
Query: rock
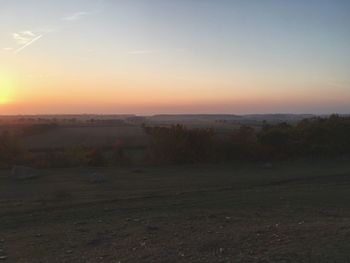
[[23, 172], [79, 223], [97, 178], [94, 242], [267, 165], [152, 228], [137, 171], [3, 257]]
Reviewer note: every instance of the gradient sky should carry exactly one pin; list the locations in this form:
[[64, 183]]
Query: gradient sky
[[174, 56]]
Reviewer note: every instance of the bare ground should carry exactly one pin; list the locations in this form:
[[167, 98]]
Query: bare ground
[[294, 212]]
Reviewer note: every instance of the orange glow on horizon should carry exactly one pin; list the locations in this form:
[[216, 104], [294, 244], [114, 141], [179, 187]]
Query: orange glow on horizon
[[7, 88], [40, 91]]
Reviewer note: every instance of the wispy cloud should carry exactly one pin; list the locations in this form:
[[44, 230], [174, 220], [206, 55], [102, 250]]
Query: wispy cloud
[[76, 16], [28, 44], [153, 51], [141, 52], [24, 39], [338, 84], [7, 49]]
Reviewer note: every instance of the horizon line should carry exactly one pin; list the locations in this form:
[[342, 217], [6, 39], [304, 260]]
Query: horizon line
[[169, 114]]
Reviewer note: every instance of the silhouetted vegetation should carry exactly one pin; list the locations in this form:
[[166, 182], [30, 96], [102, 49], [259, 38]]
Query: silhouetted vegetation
[[310, 138], [178, 144], [11, 151], [38, 128], [317, 137]]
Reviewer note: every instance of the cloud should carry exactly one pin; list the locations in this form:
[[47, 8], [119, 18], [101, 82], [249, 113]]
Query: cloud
[[7, 48], [76, 16], [28, 43], [28, 33], [152, 51], [24, 39], [338, 84], [142, 52]]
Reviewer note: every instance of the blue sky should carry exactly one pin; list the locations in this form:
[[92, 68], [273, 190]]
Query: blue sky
[[176, 56]]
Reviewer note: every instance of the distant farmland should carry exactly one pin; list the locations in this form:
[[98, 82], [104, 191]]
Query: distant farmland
[[63, 137]]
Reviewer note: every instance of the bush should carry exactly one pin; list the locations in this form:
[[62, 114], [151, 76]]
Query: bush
[[178, 144], [76, 156], [38, 128], [317, 137], [11, 151], [243, 144]]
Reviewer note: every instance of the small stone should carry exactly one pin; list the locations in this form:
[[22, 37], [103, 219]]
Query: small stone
[[152, 227], [79, 223]]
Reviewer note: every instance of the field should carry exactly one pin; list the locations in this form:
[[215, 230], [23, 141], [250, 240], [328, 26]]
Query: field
[[88, 136], [291, 212]]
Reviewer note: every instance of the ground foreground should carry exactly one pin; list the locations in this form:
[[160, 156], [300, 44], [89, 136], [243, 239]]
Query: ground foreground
[[290, 212]]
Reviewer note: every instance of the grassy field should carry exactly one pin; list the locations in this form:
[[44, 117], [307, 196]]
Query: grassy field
[[100, 136], [87, 136], [293, 212]]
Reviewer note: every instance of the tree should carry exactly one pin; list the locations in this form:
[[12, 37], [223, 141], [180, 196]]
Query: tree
[[11, 151]]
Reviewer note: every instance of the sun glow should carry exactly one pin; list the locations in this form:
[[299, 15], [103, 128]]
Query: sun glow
[[6, 89]]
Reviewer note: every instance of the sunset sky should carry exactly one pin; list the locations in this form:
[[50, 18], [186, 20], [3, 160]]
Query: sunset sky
[[174, 56]]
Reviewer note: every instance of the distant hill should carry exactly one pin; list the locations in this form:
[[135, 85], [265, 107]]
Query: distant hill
[[183, 118], [201, 119], [193, 117]]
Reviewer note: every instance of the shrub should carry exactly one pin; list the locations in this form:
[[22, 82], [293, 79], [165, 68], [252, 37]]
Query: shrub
[[11, 151], [178, 144]]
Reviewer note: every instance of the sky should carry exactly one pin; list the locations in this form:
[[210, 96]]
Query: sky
[[174, 56]]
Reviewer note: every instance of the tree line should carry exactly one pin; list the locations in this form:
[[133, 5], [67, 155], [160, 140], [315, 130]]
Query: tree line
[[310, 138], [178, 144]]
